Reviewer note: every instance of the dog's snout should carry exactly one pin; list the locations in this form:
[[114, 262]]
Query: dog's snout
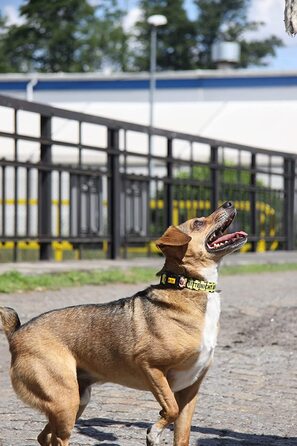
[[227, 205]]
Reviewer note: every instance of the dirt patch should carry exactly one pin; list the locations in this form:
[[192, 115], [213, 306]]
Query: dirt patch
[[274, 327]]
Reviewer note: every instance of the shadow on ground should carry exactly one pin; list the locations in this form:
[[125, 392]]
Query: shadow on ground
[[217, 437], [91, 428], [225, 437]]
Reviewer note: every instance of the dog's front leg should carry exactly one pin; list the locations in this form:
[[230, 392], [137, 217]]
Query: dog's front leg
[[165, 397], [186, 400]]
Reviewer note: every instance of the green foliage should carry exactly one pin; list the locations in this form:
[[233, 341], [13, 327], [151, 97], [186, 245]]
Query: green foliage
[[229, 175], [65, 35], [56, 36], [228, 20], [75, 36], [4, 62], [176, 40], [110, 37], [254, 52]]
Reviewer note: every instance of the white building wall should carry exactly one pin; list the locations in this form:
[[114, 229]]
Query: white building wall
[[262, 116]]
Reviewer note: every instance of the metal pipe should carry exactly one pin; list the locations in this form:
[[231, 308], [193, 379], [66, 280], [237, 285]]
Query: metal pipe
[[153, 73], [30, 88]]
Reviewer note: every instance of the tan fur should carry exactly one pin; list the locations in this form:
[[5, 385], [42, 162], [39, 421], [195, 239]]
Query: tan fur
[[134, 342]]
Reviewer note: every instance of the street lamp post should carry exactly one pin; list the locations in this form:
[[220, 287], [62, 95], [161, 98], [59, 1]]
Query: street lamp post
[[153, 63], [155, 21]]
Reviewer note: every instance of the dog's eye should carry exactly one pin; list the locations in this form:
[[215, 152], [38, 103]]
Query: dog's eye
[[198, 224]]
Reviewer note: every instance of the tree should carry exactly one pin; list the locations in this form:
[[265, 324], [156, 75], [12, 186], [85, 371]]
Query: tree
[[228, 20], [74, 36], [64, 35], [186, 44], [176, 40], [112, 39], [4, 64]]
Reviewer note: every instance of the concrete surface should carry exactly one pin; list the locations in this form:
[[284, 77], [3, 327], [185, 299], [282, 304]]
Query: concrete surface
[[248, 397]]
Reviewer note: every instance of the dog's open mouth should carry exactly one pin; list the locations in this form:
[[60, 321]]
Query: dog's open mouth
[[219, 240]]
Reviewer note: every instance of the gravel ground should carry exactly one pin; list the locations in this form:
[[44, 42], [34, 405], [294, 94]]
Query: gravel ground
[[248, 397]]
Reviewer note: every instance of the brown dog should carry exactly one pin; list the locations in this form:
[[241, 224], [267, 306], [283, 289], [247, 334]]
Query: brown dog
[[161, 339]]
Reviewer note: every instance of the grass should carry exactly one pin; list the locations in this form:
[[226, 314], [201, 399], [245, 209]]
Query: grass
[[259, 268], [16, 282], [12, 282]]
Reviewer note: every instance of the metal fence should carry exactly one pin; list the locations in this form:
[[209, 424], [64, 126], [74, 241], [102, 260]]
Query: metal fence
[[83, 183]]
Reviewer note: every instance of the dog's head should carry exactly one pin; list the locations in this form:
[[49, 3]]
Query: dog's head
[[202, 239]]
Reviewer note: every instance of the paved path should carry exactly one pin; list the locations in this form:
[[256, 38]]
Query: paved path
[[248, 397], [155, 262]]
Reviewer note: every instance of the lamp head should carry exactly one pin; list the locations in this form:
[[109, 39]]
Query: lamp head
[[157, 20]]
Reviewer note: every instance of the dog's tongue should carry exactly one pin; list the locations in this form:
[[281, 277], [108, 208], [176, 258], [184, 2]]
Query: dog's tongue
[[230, 236]]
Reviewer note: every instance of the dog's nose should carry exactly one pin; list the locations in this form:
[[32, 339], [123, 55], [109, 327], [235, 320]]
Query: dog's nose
[[228, 204]]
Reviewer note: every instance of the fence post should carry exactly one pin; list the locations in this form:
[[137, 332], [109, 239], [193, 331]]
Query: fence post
[[214, 177], [169, 186], [289, 189], [253, 200], [45, 189], [114, 193]]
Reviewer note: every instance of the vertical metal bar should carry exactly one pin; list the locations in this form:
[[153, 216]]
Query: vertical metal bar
[[73, 199], [79, 187], [192, 188], [4, 201], [88, 207], [60, 203], [178, 197], [169, 185], [295, 204], [214, 175], [161, 222], [16, 195], [70, 218], [270, 193], [45, 190], [133, 204], [114, 188], [289, 171], [124, 203], [253, 201], [28, 197]]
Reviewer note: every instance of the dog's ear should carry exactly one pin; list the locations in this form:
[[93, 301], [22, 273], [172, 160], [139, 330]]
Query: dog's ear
[[173, 236], [173, 245]]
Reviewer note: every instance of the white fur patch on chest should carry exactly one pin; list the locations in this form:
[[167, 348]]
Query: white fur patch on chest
[[181, 379]]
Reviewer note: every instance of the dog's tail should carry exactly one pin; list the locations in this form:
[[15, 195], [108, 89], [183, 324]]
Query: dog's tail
[[10, 321]]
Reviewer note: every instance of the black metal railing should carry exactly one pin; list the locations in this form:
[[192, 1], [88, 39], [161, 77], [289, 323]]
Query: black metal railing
[[76, 182]]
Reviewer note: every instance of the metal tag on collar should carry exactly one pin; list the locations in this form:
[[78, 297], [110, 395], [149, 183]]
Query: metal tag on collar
[[182, 282], [171, 280]]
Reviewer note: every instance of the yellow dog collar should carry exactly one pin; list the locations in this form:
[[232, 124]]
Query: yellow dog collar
[[181, 282]]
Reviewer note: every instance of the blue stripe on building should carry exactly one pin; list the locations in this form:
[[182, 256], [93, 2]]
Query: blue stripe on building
[[143, 84], [13, 85]]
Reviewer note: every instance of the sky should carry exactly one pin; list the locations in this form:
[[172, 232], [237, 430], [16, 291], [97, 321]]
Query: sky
[[269, 11]]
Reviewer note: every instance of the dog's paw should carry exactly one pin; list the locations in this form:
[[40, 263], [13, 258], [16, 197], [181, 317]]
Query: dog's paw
[[153, 436]]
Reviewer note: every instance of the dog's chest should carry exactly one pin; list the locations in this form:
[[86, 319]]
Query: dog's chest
[[181, 379]]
